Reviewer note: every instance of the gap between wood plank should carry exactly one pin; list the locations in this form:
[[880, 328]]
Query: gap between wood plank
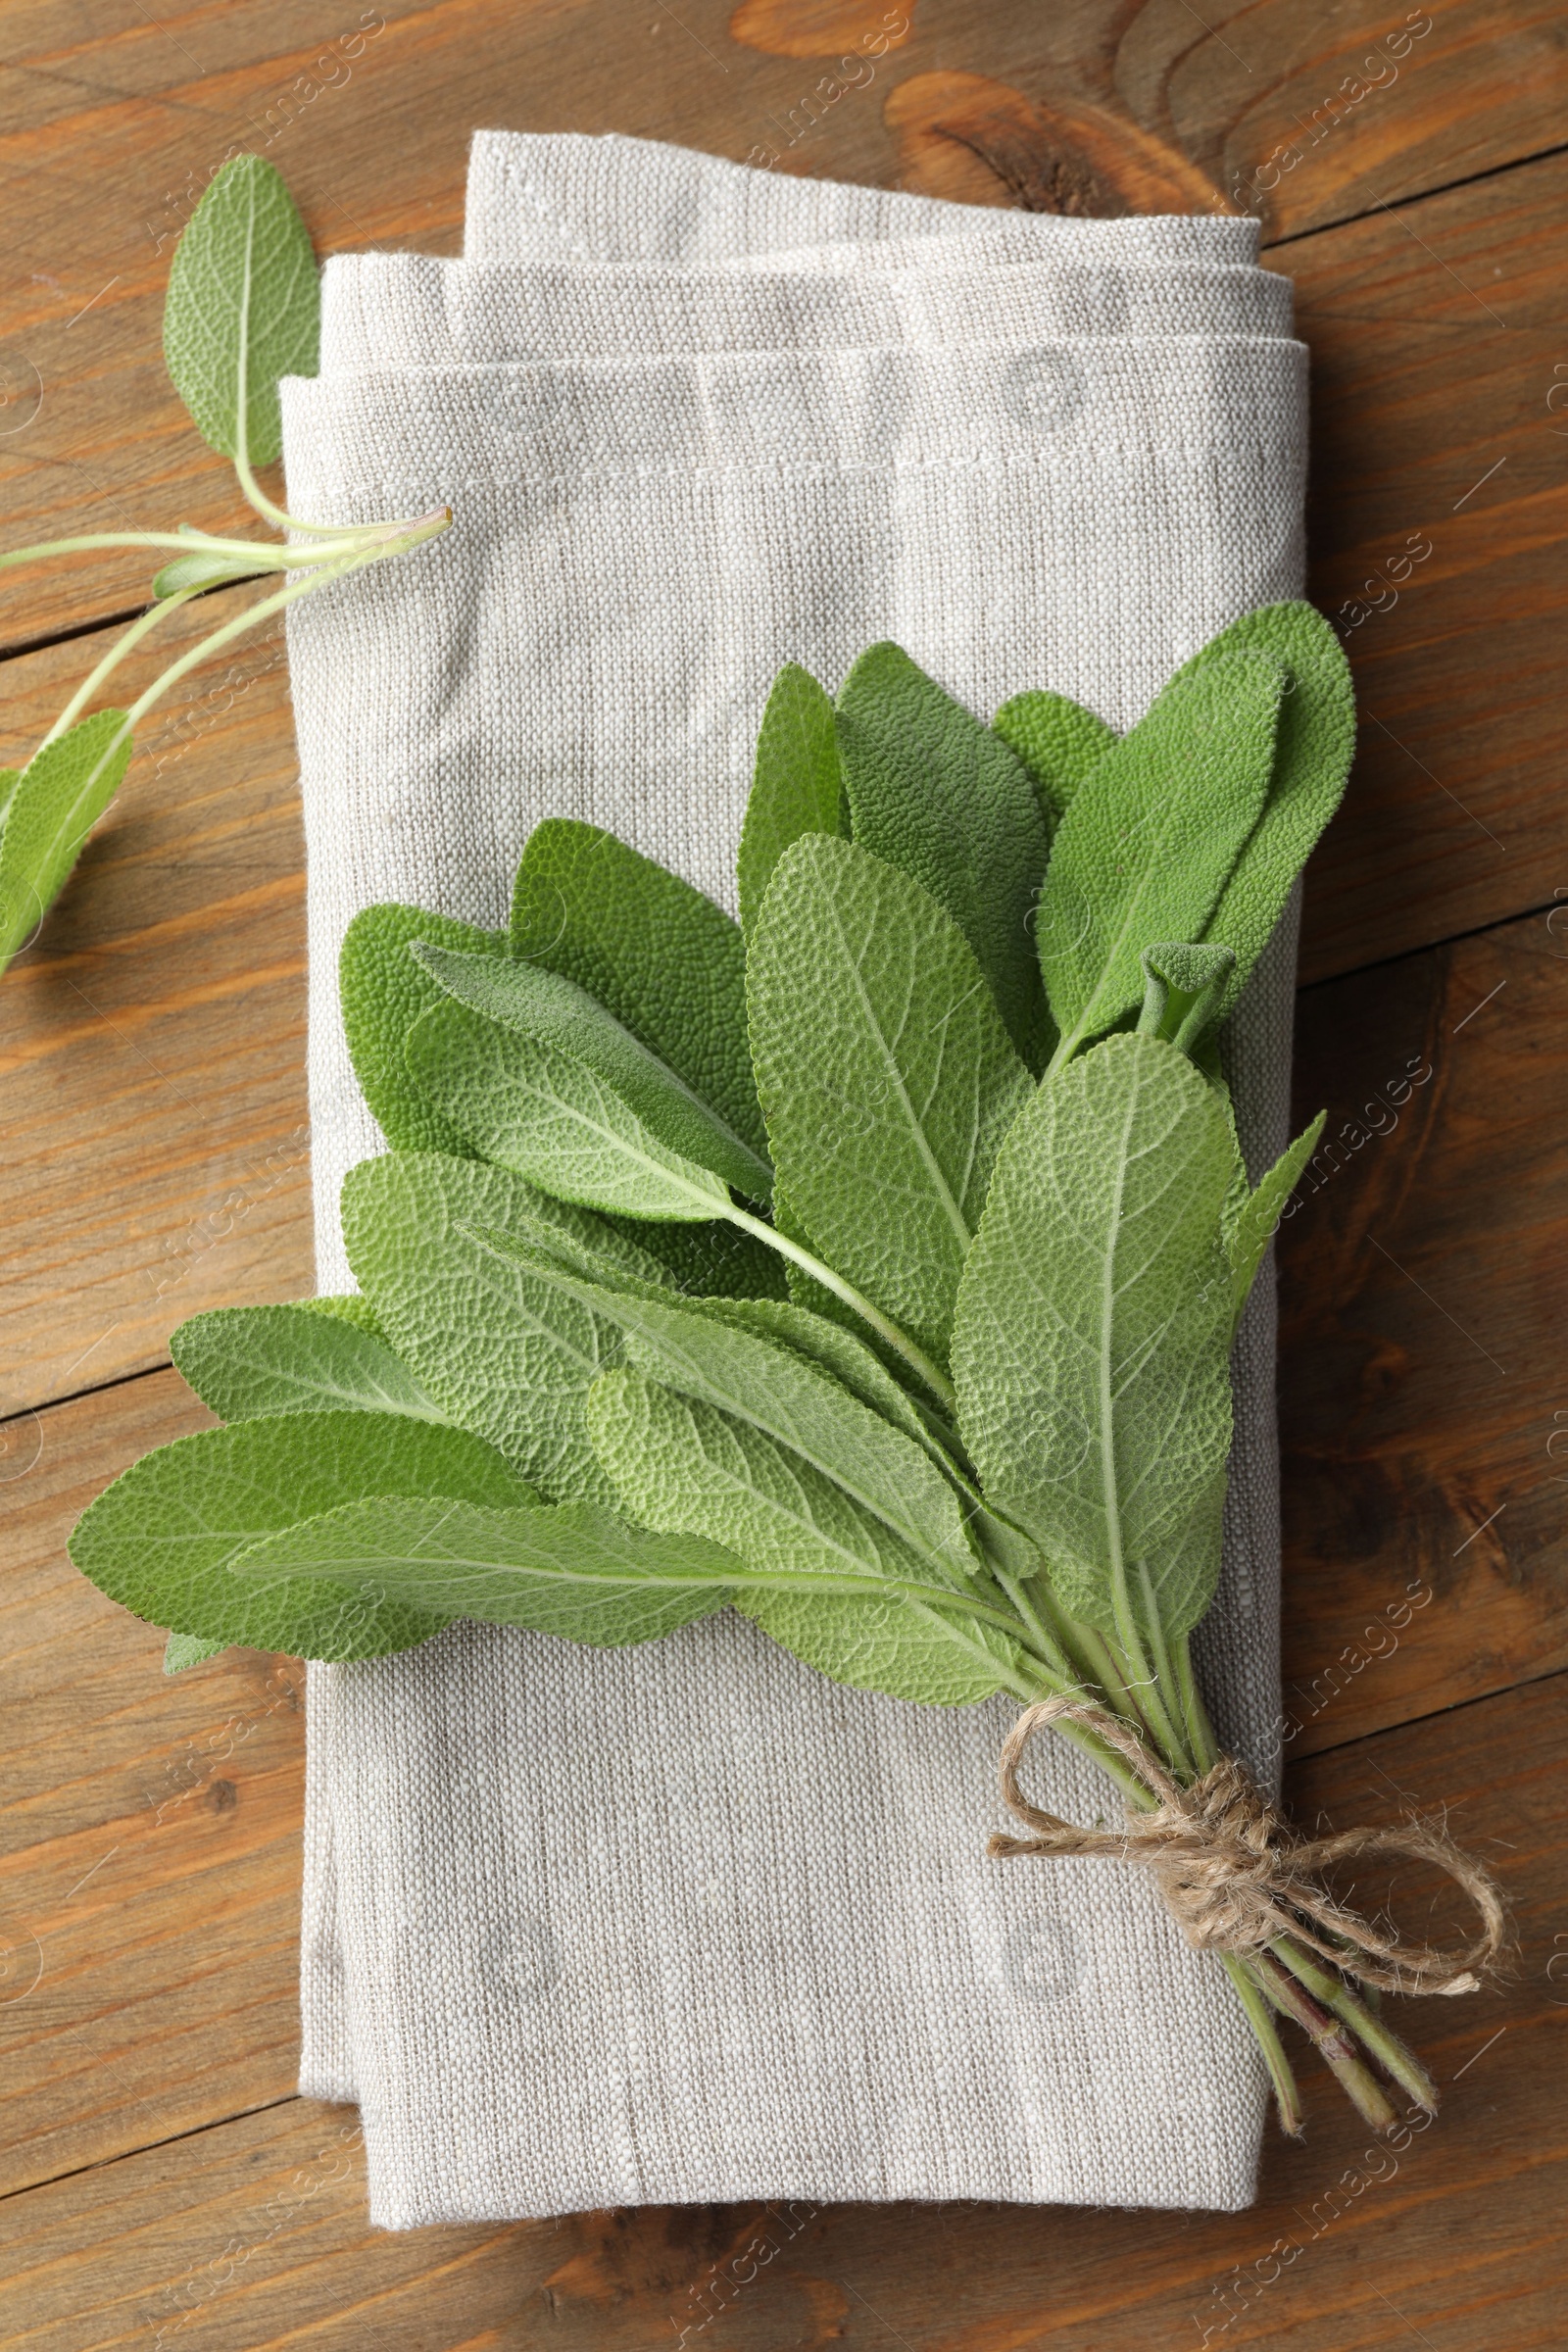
[[1400, 204], [78, 2171]]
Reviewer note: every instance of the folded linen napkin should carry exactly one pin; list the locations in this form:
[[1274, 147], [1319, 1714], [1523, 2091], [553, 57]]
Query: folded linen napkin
[[563, 196], [379, 308], [689, 1923]]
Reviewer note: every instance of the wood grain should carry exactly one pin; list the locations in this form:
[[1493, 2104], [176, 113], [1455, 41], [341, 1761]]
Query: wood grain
[[1423, 1407], [150, 1833], [252, 2233], [1439, 505], [152, 1040], [371, 126]]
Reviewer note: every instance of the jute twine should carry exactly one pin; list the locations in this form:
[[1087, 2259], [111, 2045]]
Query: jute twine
[[1235, 1876]]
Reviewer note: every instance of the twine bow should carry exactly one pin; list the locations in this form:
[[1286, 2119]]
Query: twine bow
[[1234, 1876]]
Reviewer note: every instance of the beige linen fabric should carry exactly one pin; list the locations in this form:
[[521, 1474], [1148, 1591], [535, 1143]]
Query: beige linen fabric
[[689, 1923], [378, 308]]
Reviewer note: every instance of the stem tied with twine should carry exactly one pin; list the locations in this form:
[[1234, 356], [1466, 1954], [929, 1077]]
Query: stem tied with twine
[[1240, 1882]]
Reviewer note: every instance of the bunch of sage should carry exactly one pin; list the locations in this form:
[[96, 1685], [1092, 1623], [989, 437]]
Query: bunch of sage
[[870, 1265], [243, 308]]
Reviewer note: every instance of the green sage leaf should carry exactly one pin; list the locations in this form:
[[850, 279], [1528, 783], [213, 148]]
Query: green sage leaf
[[54, 805], [246, 1360], [573, 1570], [1145, 849], [1313, 752], [555, 1011], [1259, 1213], [664, 960], [715, 1351], [182, 1650], [159, 1541], [552, 1119], [825, 1578], [1091, 1344], [204, 572], [383, 991], [886, 1073], [941, 797], [505, 1354], [797, 787], [1057, 741], [243, 308]]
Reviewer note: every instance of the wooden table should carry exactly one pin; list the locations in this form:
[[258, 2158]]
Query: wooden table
[[165, 2184]]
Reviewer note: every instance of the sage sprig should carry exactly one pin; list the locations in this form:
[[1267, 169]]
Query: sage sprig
[[870, 1266], [242, 309]]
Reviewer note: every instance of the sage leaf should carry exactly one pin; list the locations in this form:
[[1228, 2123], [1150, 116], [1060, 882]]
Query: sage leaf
[[203, 571], [825, 1578], [715, 1260], [1057, 741], [1091, 1344], [552, 1119], [667, 963], [505, 1354], [555, 1011], [797, 786], [940, 796], [713, 1353], [54, 805], [382, 992], [1258, 1219], [243, 307], [886, 1074], [159, 1541], [10, 778], [246, 1360], [182, 1650], [1145, 849], [1313, 752], [574, 1569]]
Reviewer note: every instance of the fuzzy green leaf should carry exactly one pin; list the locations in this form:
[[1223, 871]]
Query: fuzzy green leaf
[[552, 1119], [887, 1076], [1058, 742], [555, 1011], [505, 1354], [1093, 1334], [933, 792], [827, 1578], [204, 572], [717, 1260], [797, 786], [54, 805], [243, 307], [183, 1651], [1145, 849], [1313, 752], [573, 1570], [667, 963], [383, 991], [246, 1360], [716, 1352], [159, 1541], [1258, 1219]]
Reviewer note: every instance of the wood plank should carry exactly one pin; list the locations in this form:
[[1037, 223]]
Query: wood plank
[[1245, 106], [151, 1040], [1424, 1288], [253, 2232], [1440, 468], [150, 1834]]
